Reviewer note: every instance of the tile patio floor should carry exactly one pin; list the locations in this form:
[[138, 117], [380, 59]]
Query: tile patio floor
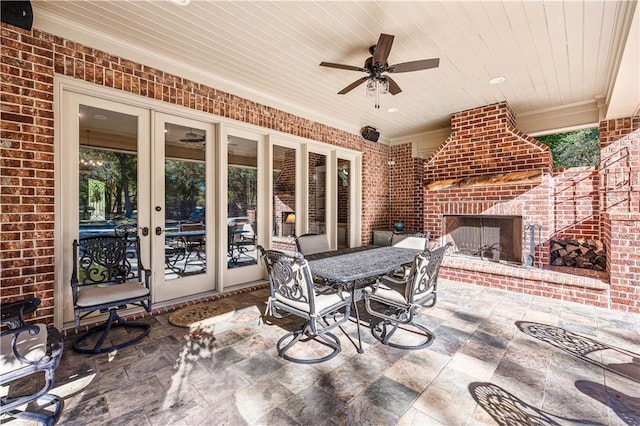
[[481, 369]]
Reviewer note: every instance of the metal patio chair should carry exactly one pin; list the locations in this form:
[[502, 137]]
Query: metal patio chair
[[312, 243], [414, 240], [28, 351], [108, 276], [396, 302], [293, 293]]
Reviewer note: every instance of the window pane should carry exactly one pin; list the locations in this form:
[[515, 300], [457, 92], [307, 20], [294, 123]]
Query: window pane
[[284, 197], [344, 202], [242, 201], [108, 171], [185, 200], [317, 193]]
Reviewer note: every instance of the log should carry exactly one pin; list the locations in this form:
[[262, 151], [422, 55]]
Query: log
[[513, 178], [578, 253]]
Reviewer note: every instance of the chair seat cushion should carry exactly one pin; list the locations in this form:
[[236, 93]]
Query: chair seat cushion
[[30, 346], [94, 296], [391, 291], [324, 302]]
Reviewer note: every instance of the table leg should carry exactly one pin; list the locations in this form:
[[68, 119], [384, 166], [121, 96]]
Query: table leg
[[355, 309]]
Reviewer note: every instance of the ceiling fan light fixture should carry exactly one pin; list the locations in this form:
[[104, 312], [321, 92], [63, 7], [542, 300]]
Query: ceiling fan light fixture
[[371, 88], [384, 87]]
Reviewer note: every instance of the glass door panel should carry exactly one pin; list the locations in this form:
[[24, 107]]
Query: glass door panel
[[182, 187], [317, 187], [107, 171], [284, 198], [242, 202], [185, 194], [343, 202]]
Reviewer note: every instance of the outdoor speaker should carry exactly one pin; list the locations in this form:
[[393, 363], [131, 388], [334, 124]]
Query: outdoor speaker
[[370, 134], [17, 13]]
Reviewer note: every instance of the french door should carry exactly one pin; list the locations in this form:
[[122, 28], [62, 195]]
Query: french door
[[182, 193], [129, 169]]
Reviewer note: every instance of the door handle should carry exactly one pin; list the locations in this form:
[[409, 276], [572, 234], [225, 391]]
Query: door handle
[[145, 231], [159, 230]]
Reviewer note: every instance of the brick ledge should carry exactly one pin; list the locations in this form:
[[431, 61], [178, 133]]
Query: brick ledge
[[547, 276]]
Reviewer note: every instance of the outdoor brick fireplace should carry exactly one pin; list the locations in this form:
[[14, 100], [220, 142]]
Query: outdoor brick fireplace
[[494, 181], [492, 191]]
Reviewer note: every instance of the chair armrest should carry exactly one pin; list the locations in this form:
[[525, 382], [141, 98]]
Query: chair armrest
[[329, 288], [32, 350], [393, 281], [13, 313]]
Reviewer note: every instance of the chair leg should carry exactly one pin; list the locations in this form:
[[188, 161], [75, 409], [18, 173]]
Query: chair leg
[[300, 336], [114, 320], [385, 330], [45, 419]]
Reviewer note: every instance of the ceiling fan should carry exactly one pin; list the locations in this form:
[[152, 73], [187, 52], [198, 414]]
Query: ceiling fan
[[377, 64], [192, 137]]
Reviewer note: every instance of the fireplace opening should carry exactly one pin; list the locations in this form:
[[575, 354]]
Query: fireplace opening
[[496, 238]]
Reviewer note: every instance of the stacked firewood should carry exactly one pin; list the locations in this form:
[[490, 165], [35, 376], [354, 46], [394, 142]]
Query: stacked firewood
[[579, 253]]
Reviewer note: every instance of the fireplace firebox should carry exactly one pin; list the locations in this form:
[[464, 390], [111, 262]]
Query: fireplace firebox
[[497, 238]]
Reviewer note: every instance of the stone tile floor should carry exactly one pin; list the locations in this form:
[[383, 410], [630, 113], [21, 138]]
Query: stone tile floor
[[498, 358]]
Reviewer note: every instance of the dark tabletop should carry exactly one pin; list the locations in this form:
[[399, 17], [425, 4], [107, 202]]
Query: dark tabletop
[[361, 264]]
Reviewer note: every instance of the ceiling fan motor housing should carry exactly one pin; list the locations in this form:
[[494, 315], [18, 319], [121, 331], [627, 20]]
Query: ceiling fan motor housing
[[370, 134]]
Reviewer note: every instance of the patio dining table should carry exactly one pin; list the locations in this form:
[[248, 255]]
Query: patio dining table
[[356, 268]]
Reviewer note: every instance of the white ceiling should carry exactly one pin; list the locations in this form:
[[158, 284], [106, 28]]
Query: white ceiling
[[559, 58]]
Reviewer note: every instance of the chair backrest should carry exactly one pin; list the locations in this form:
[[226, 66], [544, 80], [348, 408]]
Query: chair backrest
[[186, 227], [105, 260], [416, 241], [290, 280], [423, 278], [312, 243]]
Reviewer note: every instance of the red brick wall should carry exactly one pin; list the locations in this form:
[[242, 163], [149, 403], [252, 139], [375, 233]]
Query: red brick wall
[[620, 200], [29, 61], [406, 188], [484, 141], [576, 203]]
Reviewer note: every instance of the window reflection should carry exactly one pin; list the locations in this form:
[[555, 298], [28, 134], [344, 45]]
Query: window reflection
[[284, 197], [242, 202]]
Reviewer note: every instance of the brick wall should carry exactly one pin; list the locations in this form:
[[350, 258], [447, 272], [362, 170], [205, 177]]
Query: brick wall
[[620, 199], [406, 188], [484, 141], [576, 203], [29, 61]]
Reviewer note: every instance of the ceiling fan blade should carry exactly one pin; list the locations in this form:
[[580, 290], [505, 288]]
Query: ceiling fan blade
[[394, 89], [353, 85], [342, 67], [383, 47], [424, 64]]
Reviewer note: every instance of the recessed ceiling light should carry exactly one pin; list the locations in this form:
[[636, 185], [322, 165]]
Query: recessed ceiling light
[[100, 117], [180, 2], [393, 109], [497, 80]]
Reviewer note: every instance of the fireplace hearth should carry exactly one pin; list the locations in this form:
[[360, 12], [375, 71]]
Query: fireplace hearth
[[495, 238]]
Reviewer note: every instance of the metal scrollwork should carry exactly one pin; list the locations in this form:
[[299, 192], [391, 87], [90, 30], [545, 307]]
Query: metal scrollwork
[[287, 278], [104, 259]]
